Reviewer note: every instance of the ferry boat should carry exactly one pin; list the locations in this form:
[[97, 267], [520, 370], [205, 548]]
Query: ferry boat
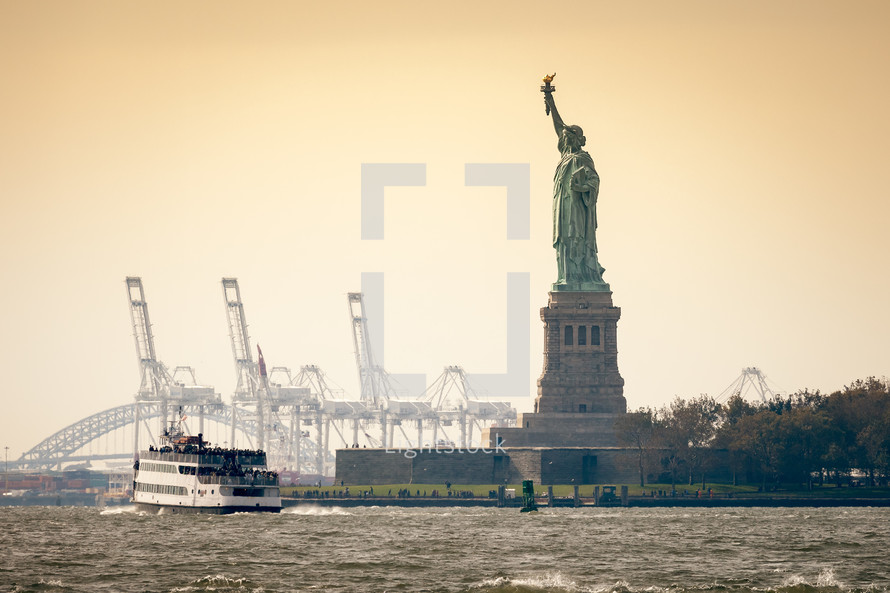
[[186, 475]]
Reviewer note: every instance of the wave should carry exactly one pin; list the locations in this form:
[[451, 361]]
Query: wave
[[42, 585], [314, 511], [550, 582], [121, 510], [825, 580], [218, 582], [553, 582]]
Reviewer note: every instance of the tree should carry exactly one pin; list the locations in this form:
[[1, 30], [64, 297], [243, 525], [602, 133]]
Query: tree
[[638, 430], [788, 438], [685, 430], [875, 440], [806, 435], [759, 437], [670, 444], [695, 421], [858, 412], [730, 414]]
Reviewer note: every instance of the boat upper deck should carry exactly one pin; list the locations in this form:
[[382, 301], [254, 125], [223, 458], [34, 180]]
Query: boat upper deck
[[244, 458]]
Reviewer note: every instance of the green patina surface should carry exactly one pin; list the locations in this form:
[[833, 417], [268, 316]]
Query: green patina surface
[[575, 192]]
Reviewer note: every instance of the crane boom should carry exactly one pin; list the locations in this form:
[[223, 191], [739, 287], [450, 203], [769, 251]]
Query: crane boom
[[156, 380], [248, 387], [371, 383]]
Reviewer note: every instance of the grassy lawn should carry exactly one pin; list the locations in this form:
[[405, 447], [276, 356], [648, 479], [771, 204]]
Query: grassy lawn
[[391, 490], [482, 490], [586, 491]]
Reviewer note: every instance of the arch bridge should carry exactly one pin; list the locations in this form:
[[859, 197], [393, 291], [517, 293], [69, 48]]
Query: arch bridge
[[74, 443]]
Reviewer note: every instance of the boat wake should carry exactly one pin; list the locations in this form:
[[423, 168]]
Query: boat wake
[[314, 511], [121, 510]]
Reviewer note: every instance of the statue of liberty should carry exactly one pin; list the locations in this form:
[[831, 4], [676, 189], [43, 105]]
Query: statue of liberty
[[575, 189]]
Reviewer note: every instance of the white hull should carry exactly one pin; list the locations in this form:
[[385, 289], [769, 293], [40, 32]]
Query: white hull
[[210, 503], [220, 510]]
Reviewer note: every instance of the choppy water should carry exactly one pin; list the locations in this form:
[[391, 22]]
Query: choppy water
[[453, 551]]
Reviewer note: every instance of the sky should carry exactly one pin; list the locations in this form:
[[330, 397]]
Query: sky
[[742, 150]]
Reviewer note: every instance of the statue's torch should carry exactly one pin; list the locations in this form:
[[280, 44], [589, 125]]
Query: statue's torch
[[547, 89]]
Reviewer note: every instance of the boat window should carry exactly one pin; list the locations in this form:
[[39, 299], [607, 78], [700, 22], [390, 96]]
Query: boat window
[[161, 489]]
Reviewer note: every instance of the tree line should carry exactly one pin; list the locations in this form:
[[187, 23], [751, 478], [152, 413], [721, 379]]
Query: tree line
[[799, 439]]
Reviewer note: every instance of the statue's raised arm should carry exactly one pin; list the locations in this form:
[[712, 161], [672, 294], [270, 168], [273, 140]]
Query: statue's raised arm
[[550, 104]]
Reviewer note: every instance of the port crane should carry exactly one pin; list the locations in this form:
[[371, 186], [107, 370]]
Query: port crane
[[750, 378], [157, 385]]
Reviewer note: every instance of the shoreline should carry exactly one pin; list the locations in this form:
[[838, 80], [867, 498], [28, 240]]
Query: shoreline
[[633, 502]]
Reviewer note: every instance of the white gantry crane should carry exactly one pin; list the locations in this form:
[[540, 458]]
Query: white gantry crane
[[271, 409], [750, 378], [436, 408], [186, 390], [374, 382], [332, 411], [248, 390], [157, 384], [377, 387], [454, 401], [277, 407]]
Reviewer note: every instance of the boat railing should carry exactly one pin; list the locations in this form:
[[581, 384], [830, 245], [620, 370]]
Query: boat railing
[[239, 480], [178, 457], [202, 458]]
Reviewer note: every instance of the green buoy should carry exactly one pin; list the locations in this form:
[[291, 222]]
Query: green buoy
[[528, 497]]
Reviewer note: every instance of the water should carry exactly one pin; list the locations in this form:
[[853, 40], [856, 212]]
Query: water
[[448, 550]]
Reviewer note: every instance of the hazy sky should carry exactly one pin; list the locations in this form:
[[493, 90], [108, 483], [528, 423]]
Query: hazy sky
[[742, 147]]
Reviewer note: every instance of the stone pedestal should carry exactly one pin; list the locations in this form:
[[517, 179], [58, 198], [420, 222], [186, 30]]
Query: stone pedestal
[[580, 392], [580, 355]]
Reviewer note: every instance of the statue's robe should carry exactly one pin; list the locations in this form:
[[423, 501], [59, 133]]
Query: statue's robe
[[575, 189]]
